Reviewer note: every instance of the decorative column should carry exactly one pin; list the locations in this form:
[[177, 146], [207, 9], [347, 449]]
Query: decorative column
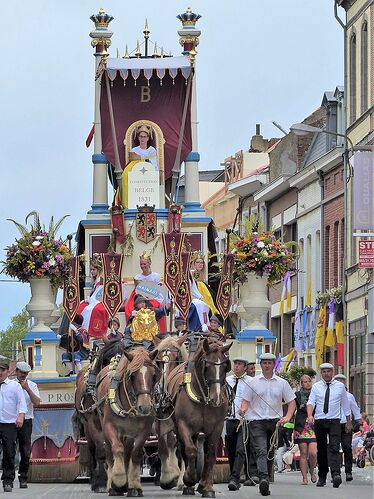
[[101, 40], [189, 39]]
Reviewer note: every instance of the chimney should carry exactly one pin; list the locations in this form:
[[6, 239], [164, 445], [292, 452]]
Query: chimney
[[258, 143]]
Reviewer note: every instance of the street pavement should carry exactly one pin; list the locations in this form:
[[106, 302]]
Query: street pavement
[[286, 486]]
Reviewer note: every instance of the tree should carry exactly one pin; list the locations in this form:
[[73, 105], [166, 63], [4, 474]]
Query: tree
[[11, 336]]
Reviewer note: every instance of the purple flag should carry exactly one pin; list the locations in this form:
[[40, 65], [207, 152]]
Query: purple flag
[[363, 188]]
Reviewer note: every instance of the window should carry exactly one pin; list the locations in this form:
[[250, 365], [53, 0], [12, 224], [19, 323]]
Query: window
[[290, 232], [357, 359], [352, 78], [327, 257], [364, 67]]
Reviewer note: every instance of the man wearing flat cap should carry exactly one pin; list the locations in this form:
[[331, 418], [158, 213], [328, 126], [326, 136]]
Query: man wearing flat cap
[[234, 433], [328, 401], [32, 397], [346, 436], [262, 407], [12, 415]]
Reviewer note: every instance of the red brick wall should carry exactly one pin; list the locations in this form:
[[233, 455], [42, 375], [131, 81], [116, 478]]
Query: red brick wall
[[333, 229]]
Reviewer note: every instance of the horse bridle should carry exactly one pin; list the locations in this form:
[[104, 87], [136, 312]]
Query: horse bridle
[[207, 383]]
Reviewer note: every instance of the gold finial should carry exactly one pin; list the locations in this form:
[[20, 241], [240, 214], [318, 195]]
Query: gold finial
[[155, 51], [146, 30], [138, 52], [192, 55], [118, 56], [162, 52], [126, 56]]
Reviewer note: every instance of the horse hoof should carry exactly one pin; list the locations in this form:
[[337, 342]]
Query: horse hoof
[[188, 491], [168, 485], [135, 493], [200, 489], [99, 490], [113, 492], [208, 493]]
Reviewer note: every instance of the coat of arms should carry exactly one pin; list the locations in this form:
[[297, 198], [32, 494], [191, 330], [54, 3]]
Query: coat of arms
[[146, 223]]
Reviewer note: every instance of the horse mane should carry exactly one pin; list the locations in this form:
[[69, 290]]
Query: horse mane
[[140, 357], [172, 342]]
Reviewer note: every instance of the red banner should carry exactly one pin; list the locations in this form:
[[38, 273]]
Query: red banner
[[147, 100], [71, 300], [118, 222], [224, 290], [175, 218], [183, 295], [173, 244], [112, 293]]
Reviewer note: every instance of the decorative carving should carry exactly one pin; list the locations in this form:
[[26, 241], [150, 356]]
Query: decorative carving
[[101, 19]]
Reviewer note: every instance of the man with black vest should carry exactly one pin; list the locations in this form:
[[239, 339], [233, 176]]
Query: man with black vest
[[328, 400], [234, 433]]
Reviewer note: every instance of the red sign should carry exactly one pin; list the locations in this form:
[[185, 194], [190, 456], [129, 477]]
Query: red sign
[[365, 254]]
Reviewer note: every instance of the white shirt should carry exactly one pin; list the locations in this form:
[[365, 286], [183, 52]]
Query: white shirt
[[152, 277], [265, 397], [30, 406], [355, 410], [12, 401], [149, 153], [338, 401], [242, 383]]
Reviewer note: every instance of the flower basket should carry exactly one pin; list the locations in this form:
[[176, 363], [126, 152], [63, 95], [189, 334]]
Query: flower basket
[[38, 253]]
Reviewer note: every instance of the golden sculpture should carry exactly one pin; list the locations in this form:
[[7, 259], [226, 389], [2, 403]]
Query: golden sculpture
[[144, 325]]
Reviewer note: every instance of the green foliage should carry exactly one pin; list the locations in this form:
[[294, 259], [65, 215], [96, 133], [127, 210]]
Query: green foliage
[[295, 373], [11, 336]]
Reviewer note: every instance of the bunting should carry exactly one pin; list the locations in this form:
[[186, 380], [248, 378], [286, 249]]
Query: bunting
[[288, 360], [173, 244], [223, 299], [112, 291], [286, 294], [330, 338], [320, 335], [313, 327], [297, 339], [339, 333], [71, 289]]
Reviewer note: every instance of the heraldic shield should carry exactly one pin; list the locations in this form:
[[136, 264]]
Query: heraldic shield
[[146, 224]]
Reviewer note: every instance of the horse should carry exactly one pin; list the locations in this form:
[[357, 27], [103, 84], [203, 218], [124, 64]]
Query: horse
[[201, 405], [127, 417], [171, 353], [87, 417]]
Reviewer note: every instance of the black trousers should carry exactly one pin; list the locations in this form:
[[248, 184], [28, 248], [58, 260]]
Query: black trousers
[[238, 451], [328, 453], [24, 446], [8, 436], [261, 432], [346, 441]]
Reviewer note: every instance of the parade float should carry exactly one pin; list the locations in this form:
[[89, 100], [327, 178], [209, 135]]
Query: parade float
[[145, 130]]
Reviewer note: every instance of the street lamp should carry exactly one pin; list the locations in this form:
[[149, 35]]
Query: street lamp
[[303, 129]]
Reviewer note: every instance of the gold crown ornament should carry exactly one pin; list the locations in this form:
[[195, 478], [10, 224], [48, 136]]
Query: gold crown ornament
[[145, 129], [145, 256], [197, 255]]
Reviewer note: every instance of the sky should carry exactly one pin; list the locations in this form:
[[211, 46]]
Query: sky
[[258, 61]]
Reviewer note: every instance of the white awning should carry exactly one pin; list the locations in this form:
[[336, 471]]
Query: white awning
[[138, 66]]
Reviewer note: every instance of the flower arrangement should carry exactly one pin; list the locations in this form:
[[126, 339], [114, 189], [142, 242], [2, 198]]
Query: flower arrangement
[[323, 297], [38, 253], [261, 253]]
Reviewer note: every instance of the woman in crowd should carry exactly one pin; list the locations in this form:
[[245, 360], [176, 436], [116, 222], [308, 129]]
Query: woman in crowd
[[304, 434]]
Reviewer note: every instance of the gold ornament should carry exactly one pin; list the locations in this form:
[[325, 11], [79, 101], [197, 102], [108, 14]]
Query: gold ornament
[[144, 325]]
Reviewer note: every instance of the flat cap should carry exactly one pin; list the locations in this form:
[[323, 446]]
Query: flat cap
[[215, 318], [326, 365], [139, 299], [240, 359], [116, 320], [179, 320], [4, 362], [23, 366], [340, 376], [267, 356]]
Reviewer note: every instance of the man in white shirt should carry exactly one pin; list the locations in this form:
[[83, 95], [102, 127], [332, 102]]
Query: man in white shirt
[[346, 437], [234, 433], [262, 407], [32, 397], [328, 400], [12, 414]]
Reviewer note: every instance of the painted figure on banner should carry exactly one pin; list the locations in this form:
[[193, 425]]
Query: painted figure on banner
[[95, 317]]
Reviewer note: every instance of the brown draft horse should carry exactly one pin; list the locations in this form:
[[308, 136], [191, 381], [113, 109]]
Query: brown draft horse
[[171, 353], [89, 419], [127, 417], [201, 405]]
